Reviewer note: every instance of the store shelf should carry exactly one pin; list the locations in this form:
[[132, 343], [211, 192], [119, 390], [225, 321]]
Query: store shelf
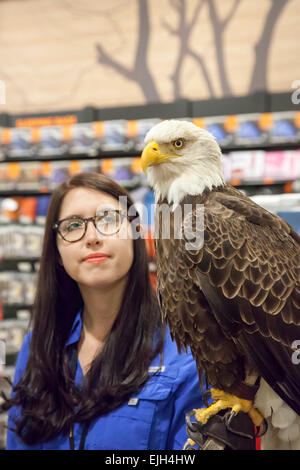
[[41, 178], [117, 137], [241, 168], [279, 202], [15, 311], [20, 263], [67, 156]]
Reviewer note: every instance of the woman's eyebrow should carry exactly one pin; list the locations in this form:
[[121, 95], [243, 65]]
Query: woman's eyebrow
[[72, 215], [101, 209], [80, 214]]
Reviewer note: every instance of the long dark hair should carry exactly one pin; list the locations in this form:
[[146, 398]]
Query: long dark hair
[[46, 392]]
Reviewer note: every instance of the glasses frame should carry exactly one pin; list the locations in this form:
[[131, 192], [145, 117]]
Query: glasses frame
[[86, 220]]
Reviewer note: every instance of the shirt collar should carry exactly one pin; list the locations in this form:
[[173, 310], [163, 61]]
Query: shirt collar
[[76, 329]]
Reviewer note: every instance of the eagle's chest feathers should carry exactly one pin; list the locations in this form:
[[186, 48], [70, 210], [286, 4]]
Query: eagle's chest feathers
[[174, 184], [176, 280]]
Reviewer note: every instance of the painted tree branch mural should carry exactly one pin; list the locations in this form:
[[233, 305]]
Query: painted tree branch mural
[[259, 74], [219, 26], [133, 52], [140, 72], [183, 31], [187, 21]]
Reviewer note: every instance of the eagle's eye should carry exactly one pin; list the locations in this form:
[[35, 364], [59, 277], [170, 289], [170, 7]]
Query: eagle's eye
[[178, 143]]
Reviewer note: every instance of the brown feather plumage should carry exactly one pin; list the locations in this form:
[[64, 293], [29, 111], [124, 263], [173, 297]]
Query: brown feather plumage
[[238, 292]]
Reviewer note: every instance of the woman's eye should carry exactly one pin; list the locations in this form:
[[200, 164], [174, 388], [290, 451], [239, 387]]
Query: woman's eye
[[178, 143], [74, 226]]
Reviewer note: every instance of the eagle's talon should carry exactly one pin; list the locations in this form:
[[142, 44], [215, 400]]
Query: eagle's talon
[[189, 444], [229, 418], [222, 401], [263, 429], [205, 396]]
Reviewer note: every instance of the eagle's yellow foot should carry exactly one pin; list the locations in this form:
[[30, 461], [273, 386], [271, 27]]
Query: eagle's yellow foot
[[222, 401]]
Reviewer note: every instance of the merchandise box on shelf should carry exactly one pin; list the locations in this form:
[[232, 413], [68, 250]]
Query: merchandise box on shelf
[[127, 136]]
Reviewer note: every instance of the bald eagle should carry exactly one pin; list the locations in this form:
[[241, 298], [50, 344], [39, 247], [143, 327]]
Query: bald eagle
[[234, 299]]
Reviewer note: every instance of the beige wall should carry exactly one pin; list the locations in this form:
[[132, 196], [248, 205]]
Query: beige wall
[[66, 54]]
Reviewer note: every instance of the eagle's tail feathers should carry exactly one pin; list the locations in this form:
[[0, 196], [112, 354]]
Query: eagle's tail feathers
[[283, 423]]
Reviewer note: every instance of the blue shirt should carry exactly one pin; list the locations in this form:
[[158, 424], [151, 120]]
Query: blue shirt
[[153, 419]]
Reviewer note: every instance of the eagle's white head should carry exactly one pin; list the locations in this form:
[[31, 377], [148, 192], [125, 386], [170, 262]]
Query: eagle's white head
[[180, 158]]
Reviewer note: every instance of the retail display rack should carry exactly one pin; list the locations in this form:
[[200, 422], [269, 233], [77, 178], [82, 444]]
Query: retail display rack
[[261, 156]]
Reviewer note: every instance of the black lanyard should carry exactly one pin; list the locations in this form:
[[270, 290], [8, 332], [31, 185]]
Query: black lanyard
[[82, 440], [86, 424]]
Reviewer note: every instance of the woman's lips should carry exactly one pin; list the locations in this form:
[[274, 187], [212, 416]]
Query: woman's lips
[[96, 259]]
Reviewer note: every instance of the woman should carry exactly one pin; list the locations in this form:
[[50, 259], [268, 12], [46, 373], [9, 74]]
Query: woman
[[97, 370]]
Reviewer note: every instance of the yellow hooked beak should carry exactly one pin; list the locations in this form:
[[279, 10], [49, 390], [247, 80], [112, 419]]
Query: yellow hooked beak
[[152, 156]]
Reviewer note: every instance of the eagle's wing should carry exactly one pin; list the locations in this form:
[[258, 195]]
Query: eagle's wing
[[185, 309], [249, 273]]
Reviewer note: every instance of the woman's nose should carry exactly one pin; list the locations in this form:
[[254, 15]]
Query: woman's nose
[[91, 234]]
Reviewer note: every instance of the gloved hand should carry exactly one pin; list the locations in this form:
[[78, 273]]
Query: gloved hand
[[223, 431]]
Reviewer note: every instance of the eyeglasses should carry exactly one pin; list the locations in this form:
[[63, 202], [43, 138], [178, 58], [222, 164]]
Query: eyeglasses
[[108, 222]]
